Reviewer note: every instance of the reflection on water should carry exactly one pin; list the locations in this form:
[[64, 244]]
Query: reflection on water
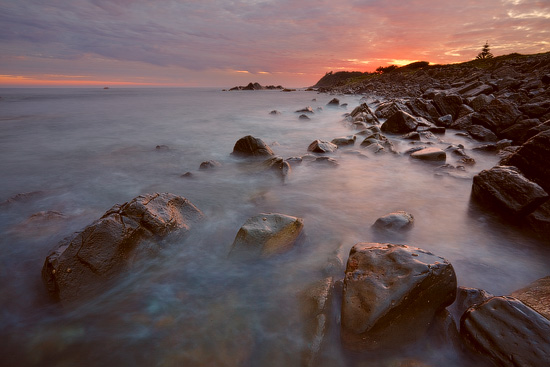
[[81, 151]]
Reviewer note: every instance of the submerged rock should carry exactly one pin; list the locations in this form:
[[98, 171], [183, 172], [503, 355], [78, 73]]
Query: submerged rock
[[508, 331], [345, 140], [267, 234], [250, 146], [396, 221], [391, 288], [210, 165], [430, 154], [81, 265], [334, 102]]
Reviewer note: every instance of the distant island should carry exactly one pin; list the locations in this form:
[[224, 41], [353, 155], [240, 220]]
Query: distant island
[[256, 86]]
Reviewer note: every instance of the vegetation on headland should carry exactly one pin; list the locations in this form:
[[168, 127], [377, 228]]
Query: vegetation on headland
[[485, 62]]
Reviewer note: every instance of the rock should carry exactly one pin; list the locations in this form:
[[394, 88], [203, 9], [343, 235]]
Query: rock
[[187, 175], [307, 109], [535, 109], [496, 116], [480, 101], [396, 221], [274, 112], [304, 117], [536, 295], [448, 104], [465, 299], [464, 110], [22, 198], [481, 89], [519, 132], [508, 331], [83, 263], [278, 165], [400, 123], [162, 148], [444, 121], [462, 123], [481, 133], [539, 221], [505, 189], [267, 234], [327, 161], [391, 288], [413, 135], [343, 141], [210, 165], [437, 130], [430, 154], [422, 108], [321, 146], [388, 109], [250, 146], [334, 102], [533, 159]]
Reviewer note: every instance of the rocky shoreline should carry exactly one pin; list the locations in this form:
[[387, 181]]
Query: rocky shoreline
[[387, 296]]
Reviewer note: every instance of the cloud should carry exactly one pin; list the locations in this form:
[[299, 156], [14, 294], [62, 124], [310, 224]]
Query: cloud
[[268, 36]]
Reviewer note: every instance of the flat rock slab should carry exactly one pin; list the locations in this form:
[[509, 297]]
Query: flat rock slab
[[536, 295], [391, 288], [430, 154], [400, 123], [267, 234], [84, 262], [507, 190], [508, 332]]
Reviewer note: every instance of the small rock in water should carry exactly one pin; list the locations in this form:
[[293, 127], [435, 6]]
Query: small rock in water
[[321, 146], [210, 165], [346, 140], [333, 102], [396, 221], [250, 146], [274, 112], [307, 109], [303, 117], [430, 154], [326, 161]]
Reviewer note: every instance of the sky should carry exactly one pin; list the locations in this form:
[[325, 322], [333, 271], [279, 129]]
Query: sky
[[223, 43]]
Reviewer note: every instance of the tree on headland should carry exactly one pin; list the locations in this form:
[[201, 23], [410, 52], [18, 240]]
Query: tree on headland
[[387, 69], [485, 52]]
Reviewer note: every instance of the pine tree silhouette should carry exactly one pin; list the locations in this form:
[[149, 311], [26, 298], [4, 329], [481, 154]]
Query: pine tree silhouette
[[485, 52]]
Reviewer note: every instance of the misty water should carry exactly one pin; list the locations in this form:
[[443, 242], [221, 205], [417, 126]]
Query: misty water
[[77, 152]]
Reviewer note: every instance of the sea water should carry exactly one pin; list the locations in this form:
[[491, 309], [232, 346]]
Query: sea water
[[74, 153]]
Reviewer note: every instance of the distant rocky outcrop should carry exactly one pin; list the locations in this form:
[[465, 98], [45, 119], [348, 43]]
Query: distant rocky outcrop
[[257, 86]]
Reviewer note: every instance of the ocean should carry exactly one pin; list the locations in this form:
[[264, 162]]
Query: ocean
[[74, 153]]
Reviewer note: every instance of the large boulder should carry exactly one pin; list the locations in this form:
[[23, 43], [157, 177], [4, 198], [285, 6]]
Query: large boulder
[[536, 295], [387, 109], [518, 132], [391, 288], [422, 108], [497, 115], [267, 234], [508, 331], [82, 264], [533, 159], [399, 123], [448, 104], [250, 146], [539, 221], [481, 133], [505, 189], [321, 146]]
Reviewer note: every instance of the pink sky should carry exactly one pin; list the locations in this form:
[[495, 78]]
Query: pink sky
[[227, 43]]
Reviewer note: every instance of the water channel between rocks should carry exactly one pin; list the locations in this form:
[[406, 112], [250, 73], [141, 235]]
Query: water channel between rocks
[[80, 151]]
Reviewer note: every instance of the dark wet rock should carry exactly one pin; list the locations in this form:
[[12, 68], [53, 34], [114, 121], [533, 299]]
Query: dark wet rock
[[462, 123], [307, 109], [267, 234], [396, 221], [321, 146], [187, 175], [250, 146], [480, 101], [22, 198], [388, 109], [278, 165], [519, 132], [539, 221], [82, 264], [304, 117], [390, 288], [464, 110], [343, 141], [315, 307], [448, 104], [508, 332], [400, 123], [364, 113], [294, 160], [481, 89], [497, 115], [414, 149], [274, 112], [444, 121], [466, 298], [535, 109], [536, 295], [422, 108], [210, 165], [533, 159], [481, 133], [494, 147], [430, 154], [162, 148], [414, 135], [334, 102], [505, 189], [437, 130]]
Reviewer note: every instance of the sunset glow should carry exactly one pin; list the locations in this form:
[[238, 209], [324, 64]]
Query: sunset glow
[[220, 43]]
